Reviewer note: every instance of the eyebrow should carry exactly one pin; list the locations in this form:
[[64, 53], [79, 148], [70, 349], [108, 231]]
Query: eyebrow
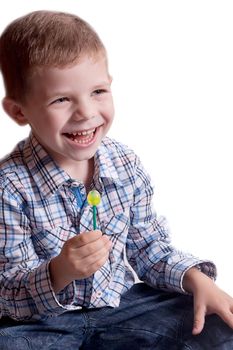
[[56, 94], [102, 84]]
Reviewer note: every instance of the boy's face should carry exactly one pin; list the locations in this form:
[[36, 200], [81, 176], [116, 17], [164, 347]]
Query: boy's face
[[70, 109]]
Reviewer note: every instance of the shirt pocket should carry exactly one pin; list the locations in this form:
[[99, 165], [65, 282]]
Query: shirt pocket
[[48, 241], [115, 225], [116, 228]]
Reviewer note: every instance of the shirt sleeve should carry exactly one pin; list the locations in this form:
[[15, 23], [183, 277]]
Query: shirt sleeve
[[25, 288], [149, 249]]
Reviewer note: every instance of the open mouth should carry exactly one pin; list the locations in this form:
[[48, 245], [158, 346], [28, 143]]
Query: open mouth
[[81, 137]]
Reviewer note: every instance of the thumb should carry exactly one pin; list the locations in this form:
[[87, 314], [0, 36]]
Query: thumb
[[199, 319]]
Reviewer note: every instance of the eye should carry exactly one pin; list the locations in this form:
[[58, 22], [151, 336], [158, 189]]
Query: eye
[[99, 91], [60, 100]]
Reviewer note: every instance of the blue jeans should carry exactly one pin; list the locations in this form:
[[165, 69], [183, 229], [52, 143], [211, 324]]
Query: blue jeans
[[145, 319]]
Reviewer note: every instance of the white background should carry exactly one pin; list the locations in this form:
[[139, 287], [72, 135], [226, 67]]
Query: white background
[[172, 65]]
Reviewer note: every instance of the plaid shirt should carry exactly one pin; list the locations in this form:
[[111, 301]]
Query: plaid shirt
[[41, 207]]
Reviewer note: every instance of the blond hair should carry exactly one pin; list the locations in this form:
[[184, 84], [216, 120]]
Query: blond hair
[[40, 39]]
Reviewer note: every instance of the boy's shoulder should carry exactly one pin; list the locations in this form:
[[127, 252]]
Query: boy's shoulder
[[13, 163]]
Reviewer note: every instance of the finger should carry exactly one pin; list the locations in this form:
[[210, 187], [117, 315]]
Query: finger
[[84, 238], [98, 263], [91, 248], [199, 319], [227, 317], [96, 254], [92, 265]]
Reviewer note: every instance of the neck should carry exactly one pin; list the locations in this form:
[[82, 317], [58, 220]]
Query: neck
[[82, 171]]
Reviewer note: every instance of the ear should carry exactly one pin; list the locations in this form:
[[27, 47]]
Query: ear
[[14, 110]]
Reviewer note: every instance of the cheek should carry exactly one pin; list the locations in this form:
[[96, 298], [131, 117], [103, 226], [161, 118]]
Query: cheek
[[109, 120], [52, 123], [45, 128], [110, 111]]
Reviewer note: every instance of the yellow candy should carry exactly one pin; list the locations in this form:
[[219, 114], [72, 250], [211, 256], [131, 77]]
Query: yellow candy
[[93, 198]]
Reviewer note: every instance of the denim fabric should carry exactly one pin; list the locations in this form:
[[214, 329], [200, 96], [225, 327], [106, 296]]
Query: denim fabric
[[145, 319]]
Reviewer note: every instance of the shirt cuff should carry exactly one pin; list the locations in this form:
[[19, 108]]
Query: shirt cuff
[[175, 272], [47, 302]]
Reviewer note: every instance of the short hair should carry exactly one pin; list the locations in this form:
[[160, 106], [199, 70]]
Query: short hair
[[43, 39]]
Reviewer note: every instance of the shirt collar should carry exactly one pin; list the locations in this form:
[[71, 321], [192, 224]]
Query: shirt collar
[[45, 172], [105, 166], [49, 177]]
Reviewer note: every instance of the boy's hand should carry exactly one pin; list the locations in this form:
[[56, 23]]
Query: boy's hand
[[208, 299], [80, 257]]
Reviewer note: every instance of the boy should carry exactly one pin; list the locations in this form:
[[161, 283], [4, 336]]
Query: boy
[[63, 284]]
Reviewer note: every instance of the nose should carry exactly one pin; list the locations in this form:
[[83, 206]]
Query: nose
[[84, 110]]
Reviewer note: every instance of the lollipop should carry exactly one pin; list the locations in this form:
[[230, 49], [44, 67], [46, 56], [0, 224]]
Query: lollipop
[[94, 199]]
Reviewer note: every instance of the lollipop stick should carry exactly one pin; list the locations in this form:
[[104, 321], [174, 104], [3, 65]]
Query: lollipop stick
[[94, 217]]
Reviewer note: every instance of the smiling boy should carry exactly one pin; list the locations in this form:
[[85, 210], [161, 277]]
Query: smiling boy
[[62, 284]]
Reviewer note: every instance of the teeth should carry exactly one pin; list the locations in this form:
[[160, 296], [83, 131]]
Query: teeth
[[83, 141], [88, 136], [83, 133]]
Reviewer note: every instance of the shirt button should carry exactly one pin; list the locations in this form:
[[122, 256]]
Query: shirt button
[[99, 294]]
